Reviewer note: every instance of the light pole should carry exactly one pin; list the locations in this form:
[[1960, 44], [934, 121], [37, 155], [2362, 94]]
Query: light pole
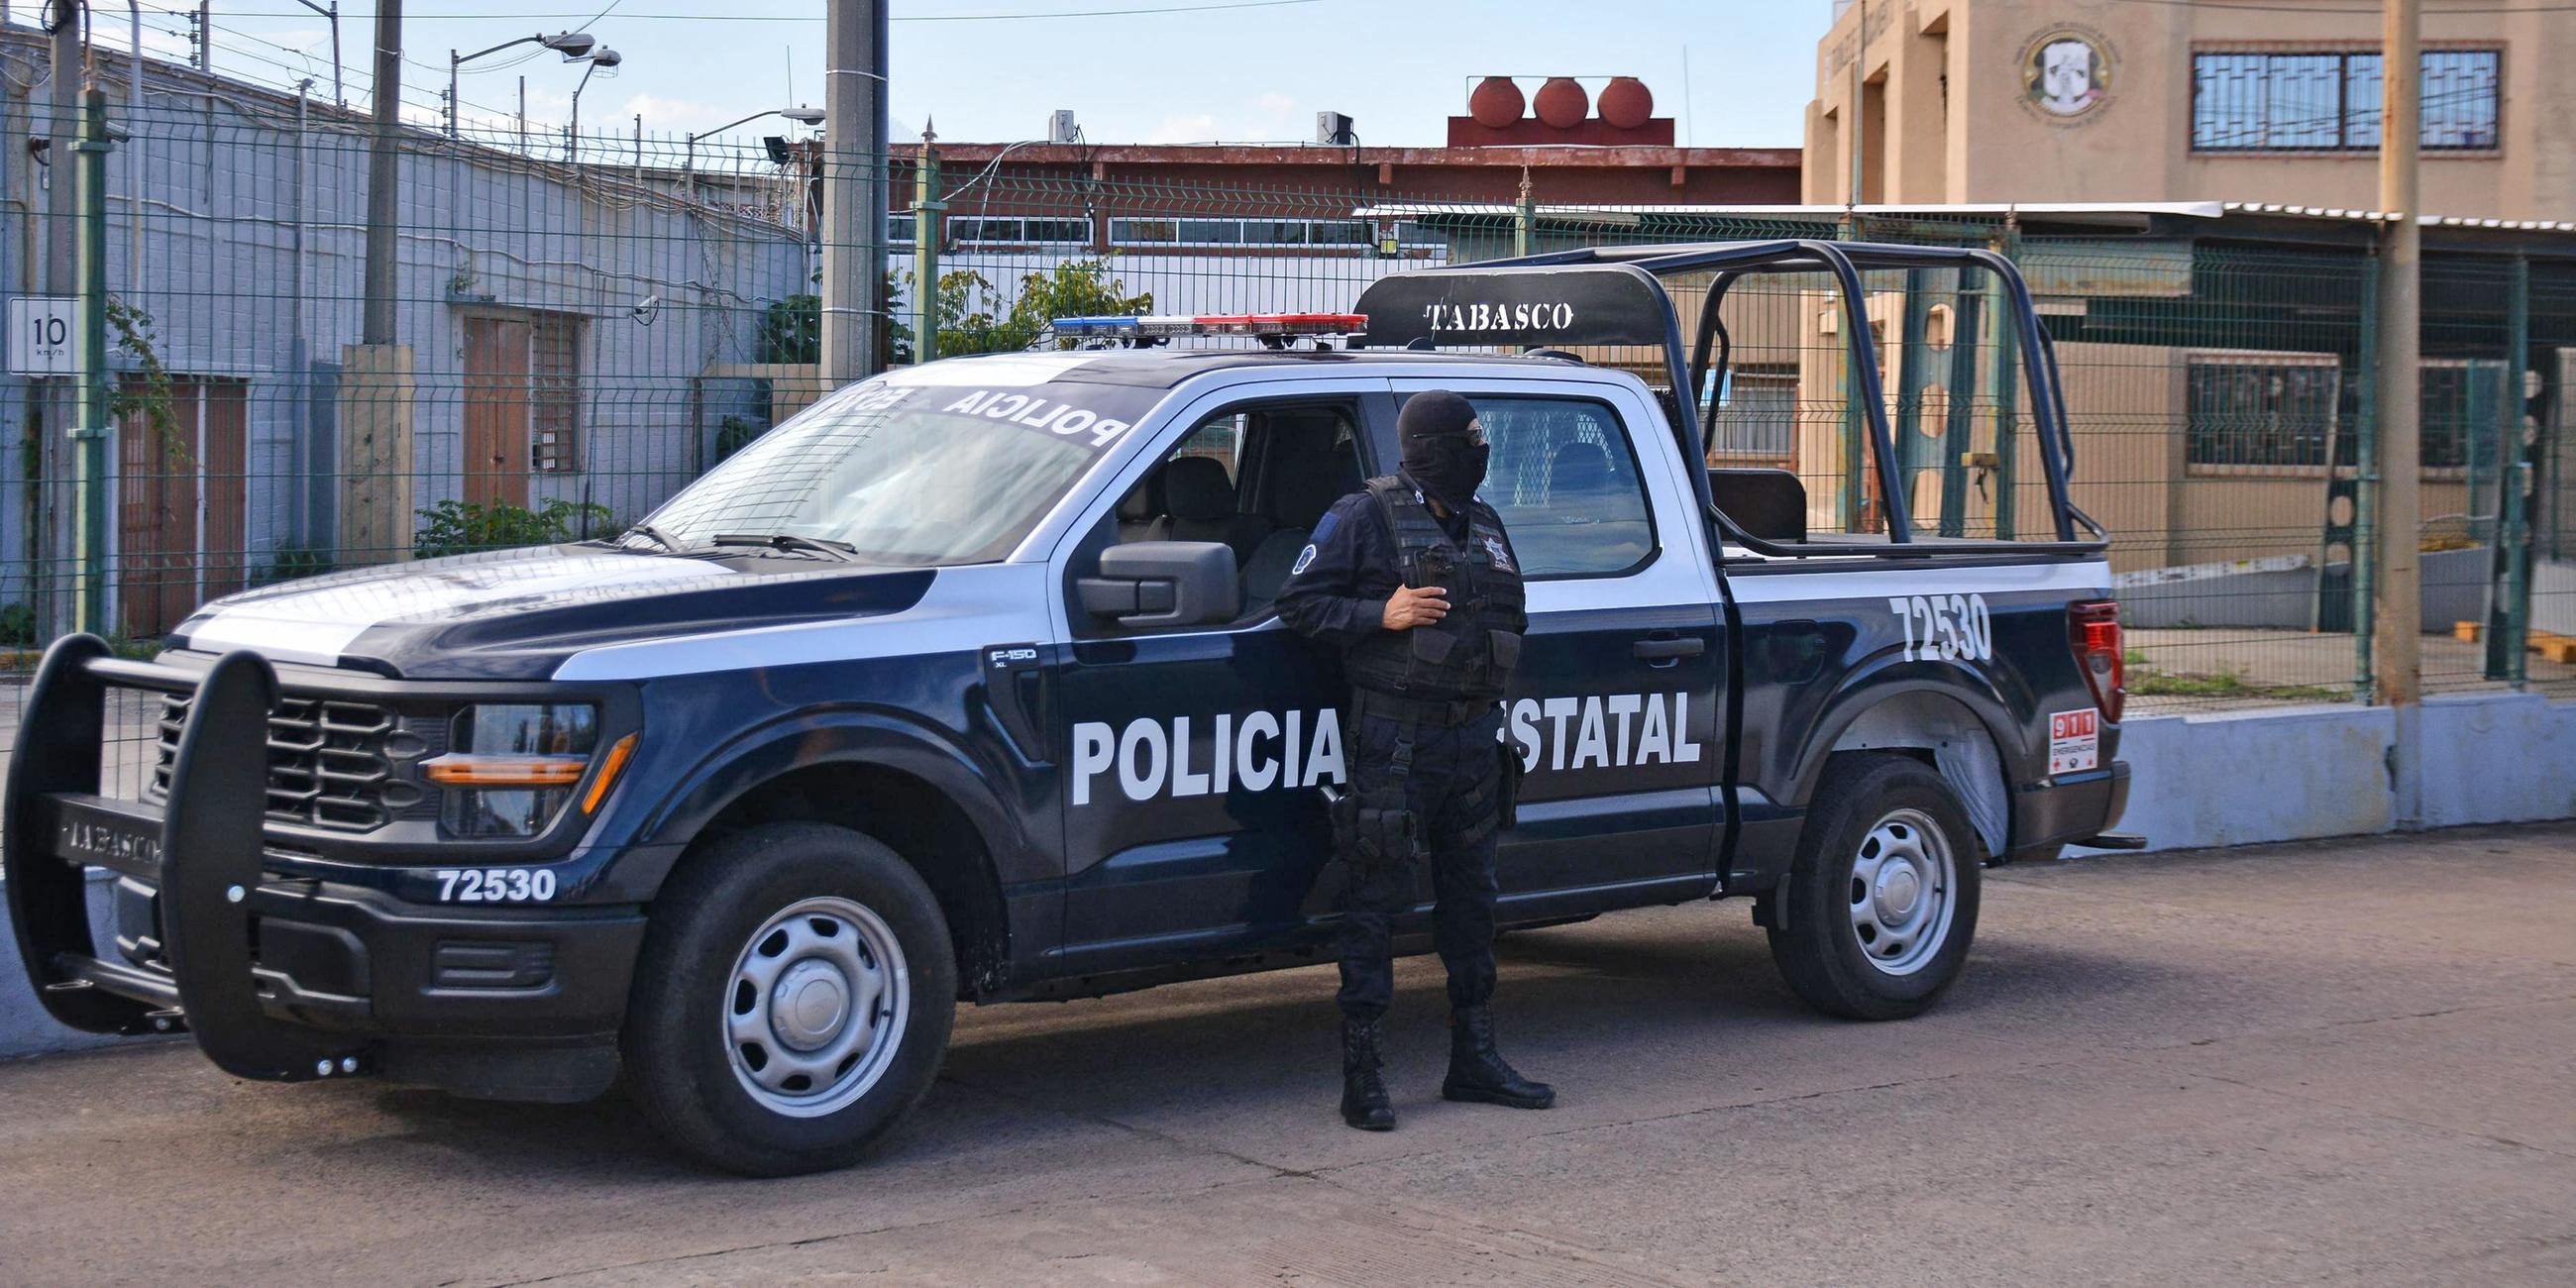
[[571, 44], [332, 12], [603, 57], [689, 162]]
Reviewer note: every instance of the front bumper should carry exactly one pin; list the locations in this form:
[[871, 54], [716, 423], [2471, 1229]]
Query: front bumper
[[278, 978]]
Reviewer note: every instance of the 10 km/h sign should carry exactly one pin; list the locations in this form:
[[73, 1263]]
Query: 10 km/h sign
[[44, 335]]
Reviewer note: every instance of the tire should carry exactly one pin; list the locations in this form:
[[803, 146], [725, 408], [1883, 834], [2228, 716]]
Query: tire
[[720, 1061], [1887, 829]]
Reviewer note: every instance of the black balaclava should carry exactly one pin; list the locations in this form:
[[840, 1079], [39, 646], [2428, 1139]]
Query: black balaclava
[[1439, 455]]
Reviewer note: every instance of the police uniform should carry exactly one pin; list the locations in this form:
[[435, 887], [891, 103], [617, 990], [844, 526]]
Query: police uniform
[[1429, 775]]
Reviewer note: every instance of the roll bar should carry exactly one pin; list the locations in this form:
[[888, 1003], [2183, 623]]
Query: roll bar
[[1645, 315]]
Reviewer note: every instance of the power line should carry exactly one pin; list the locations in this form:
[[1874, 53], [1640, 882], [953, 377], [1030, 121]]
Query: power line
[[737, 17]]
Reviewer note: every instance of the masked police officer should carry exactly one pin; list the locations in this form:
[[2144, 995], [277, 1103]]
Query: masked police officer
[[1414, 581]]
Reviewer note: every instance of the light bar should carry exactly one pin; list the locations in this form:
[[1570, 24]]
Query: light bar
[[1171, 324]]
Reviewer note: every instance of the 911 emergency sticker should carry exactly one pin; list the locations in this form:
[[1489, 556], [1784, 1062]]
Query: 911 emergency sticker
[[495, 885], [2074, 741], [1953, 628]]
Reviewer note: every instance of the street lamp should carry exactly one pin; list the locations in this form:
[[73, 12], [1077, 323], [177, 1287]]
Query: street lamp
[[603, 57], [689, 163], [571, 44]]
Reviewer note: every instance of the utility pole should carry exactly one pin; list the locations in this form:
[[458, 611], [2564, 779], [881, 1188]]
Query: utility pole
[[854, 201], [384, 175], [2397, 643], [926, 236]]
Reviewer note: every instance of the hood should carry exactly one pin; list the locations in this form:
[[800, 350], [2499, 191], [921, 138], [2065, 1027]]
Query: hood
[[517, 614]]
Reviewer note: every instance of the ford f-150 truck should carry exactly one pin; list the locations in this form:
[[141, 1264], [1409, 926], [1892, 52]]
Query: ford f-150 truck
[[964, 685]]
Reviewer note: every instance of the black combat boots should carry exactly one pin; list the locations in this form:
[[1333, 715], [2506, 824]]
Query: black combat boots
[[1478, 1072], [1364, 1103]]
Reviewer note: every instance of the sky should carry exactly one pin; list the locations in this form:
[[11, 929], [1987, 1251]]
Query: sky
[[992, 70]]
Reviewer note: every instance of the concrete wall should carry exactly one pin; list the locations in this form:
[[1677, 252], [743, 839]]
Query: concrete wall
[[2247, 777], [1986, 141], [239, 236]]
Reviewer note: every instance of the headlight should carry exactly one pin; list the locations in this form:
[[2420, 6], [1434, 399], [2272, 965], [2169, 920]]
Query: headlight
[[510, 769]]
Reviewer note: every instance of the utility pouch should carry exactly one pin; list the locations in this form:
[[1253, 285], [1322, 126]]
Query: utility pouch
[[1368, 833], [1431, 647], [1507, 799], [1504, 647], [1344, 814]]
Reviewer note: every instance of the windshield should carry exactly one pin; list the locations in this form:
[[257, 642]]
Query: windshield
[[910, 474]]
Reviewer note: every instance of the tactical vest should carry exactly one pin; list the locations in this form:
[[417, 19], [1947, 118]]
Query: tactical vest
[[1469, 654]]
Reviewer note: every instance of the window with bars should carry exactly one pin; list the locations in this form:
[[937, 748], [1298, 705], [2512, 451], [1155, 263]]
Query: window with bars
[[1757, 414], [2279, 410], [2267, 410], [554, 392], [2329, 101]]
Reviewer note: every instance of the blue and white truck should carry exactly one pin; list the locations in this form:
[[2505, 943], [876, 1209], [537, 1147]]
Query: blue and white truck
[[963, 685]]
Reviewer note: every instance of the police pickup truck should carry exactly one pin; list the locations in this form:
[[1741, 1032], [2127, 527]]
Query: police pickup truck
[[964, 685]]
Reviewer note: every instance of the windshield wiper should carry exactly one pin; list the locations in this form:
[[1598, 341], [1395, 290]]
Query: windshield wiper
[[654, 535], [839, 550]]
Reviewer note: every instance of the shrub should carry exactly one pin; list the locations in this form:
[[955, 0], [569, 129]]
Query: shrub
[[461, 527]]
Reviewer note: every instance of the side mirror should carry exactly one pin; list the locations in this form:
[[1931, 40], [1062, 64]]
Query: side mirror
[[1164, 583]]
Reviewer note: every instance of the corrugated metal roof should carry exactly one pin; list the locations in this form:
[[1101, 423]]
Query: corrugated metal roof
[[2060, 209]]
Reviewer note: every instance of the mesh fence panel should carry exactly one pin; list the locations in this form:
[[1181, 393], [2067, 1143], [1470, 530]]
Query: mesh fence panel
[[581, 331]]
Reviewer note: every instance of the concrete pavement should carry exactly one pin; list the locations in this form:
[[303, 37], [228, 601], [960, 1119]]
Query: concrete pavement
[[2343, 1060]]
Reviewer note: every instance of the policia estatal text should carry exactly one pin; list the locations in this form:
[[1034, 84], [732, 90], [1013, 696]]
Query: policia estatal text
[[1414, 580]]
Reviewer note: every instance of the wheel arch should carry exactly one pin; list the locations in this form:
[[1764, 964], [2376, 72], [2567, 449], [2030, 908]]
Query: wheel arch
[[918, 796], [1954, 729]]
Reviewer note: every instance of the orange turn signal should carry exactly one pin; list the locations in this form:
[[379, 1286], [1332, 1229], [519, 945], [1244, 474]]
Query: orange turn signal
[[608, 770], [471, 769]]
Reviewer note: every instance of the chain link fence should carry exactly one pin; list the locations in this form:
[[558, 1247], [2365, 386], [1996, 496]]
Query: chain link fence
[[581, 330]]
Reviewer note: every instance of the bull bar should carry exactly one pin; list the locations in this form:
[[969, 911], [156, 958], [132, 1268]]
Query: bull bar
[[202, 848]]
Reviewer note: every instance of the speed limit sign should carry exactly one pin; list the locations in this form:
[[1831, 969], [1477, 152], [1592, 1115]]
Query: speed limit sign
[[43, 335]]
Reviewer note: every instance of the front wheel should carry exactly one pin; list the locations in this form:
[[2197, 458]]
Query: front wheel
[[793, 999], [1882, 903]]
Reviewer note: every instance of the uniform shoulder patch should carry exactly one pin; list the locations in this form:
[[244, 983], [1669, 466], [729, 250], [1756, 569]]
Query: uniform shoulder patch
[[1323, 532], [1304, 557]]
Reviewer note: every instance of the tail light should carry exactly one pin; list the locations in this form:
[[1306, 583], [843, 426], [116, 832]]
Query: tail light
[[2093, 633]]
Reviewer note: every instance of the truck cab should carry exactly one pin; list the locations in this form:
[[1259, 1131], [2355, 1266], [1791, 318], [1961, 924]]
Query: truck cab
[[965, 685]]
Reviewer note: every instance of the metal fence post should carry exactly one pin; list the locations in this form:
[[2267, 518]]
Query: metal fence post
[[2007, 394], [89, 424], [2509, 576], [2365, 500]]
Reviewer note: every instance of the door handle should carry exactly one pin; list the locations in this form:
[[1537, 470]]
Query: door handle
[[1669, 650]]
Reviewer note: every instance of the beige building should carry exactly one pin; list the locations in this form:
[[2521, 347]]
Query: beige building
[[2149, 100]]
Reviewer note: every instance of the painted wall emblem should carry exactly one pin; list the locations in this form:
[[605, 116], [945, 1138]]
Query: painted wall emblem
[[2066, 73]]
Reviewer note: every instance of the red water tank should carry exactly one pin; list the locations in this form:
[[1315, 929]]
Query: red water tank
[[1496, 102], [1626, 102], [1562, 104]]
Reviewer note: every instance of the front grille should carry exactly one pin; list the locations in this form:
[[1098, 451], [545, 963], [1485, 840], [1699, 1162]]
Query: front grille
[[327, 761]]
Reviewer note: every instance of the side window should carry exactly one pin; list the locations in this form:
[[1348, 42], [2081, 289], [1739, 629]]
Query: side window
[[1564, 479], [1255, 477]]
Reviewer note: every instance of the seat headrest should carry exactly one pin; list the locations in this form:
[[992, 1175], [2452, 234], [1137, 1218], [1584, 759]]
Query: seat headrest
[[1576, 469], [1195, 487], [1143, 501], [1301, 493]]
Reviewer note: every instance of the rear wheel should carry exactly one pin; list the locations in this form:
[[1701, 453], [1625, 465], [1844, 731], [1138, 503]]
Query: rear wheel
[[793, 999], [1882, 902]]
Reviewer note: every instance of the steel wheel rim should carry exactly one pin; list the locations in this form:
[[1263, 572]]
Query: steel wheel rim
[[814, 1008], [1903, 892]]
